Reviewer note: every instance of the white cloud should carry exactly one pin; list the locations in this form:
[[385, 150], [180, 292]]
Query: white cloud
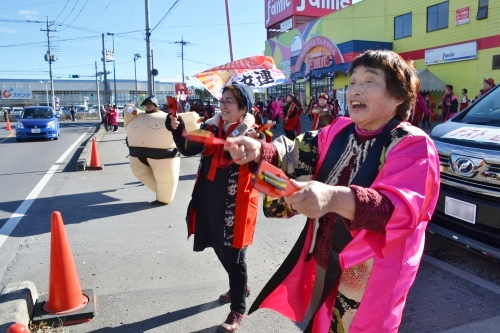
[[7, 31], [28, 14]]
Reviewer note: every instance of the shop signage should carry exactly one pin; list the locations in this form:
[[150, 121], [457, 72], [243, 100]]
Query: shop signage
[[16, 93], [318, 52], [286, 25], [462, 16], [452, 53], [317, 60], [180, 88], [279, 10]]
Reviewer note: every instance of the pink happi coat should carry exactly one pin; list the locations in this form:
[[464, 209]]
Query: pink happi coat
[[409, 177]]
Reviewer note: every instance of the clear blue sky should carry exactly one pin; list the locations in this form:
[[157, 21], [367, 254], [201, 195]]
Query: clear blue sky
[[79, 24]]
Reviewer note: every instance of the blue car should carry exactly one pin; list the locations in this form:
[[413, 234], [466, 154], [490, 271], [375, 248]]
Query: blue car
[[37, 122]]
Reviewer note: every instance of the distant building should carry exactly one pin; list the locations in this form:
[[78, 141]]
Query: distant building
[[457, 41], [22, 92]]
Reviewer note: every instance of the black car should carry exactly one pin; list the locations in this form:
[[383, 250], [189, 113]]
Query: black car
[[468, 210]]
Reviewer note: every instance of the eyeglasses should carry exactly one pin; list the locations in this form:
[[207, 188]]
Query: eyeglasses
[[227, 102]]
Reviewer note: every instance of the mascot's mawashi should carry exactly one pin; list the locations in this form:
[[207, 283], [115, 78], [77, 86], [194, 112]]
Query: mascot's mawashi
[[153, 156]]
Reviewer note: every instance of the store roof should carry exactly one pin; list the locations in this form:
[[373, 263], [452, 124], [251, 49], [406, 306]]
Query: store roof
[[430, 82]]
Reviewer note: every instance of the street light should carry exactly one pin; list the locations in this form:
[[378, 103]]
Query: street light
[[136, 56], [114, 60], [46, 92]]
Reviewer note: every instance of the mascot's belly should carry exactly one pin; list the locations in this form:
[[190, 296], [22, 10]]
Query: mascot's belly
[[148, 130]]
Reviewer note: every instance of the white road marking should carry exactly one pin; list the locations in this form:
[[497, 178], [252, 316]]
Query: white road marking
[[20, 212]]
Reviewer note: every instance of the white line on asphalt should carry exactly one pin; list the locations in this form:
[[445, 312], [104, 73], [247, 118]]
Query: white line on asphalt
[[20, 212]]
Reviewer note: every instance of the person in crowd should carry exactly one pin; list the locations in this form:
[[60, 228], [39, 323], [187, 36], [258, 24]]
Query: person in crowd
[[273, 110], [419, 110], [323, 112], [449, 103], [312, 101], [209, 111], [464, 101], [72, 112], [428, 119], [487, 85], [223, 209], [113, 118], [291, 123], [260, 105], [279, 108], [368, 185], [103, 116], [193, 107]]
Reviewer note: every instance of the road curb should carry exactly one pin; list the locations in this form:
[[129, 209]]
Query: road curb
[[17, 301], [84, 159]]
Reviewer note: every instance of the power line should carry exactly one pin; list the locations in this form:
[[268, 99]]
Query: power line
[[166, 14]]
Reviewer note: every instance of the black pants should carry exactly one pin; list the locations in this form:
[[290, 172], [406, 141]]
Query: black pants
[[426, 122], [238, 279], [290, 134]]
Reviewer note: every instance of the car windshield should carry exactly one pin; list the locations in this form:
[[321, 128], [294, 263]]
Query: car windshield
[[486, 111], [37, 113]]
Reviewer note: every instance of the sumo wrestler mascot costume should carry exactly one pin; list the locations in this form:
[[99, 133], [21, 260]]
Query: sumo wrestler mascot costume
[[153, 155]]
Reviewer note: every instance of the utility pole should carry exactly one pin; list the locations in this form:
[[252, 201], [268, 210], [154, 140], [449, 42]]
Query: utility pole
[[182, 42], [106, 98], [229, 31], [136, 56], [97, 88], [50, 58], [148, 52], [114, 70]]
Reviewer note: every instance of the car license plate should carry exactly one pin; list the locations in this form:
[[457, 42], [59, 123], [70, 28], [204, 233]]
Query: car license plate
[[35, 130], [460, 209]]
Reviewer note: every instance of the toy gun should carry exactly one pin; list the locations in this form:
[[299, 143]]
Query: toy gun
[[205, 137], [272, 181]]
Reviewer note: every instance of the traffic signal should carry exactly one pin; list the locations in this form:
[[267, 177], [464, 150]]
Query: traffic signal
[[73, 76]]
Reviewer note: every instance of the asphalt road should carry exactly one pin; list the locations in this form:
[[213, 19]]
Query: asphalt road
[[137, 260]]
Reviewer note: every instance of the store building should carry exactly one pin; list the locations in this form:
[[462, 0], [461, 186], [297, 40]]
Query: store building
[[22, 92], [453, 42]]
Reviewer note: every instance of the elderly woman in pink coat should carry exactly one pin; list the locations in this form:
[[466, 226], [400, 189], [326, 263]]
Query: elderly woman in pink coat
[[368, 186]]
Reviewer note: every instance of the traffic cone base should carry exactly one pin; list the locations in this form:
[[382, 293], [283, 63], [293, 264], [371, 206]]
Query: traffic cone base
[[7, 125], [65, 301], [95, 163], [83, 315]]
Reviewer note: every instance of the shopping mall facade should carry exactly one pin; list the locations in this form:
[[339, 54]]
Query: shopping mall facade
[[453, 42], [22, 92]]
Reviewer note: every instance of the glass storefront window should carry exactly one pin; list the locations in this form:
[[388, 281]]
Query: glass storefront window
[[323, 85], [299, 90]]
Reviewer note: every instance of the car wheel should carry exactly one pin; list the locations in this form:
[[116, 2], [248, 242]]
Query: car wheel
[[18, 140]]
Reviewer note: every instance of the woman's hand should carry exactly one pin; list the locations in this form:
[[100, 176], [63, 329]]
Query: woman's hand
[[174, 123], [315, 199], [243, 149]]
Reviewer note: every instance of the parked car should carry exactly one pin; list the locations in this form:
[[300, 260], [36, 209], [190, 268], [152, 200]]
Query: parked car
[[468, 210], [37, 122], [15, 112], [66, 113]]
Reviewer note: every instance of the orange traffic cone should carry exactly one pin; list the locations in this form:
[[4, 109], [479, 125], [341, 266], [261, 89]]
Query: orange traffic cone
[[7, 126], [95, 163], [66, 302], [17, 328]]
